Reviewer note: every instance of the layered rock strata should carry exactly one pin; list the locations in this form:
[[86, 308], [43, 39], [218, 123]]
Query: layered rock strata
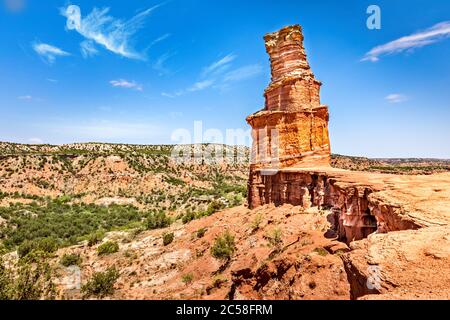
[[292, 129]]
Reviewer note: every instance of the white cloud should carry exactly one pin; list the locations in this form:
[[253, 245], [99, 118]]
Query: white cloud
[[26, 98], [159, 64], [420, 39], [396, 98], [201, 85], [219, 66], [52, 80], [162, 38], [122, 83], [35, 141], [88, 49], [167, 95], [111, 33], [243, 73], [49, 52]]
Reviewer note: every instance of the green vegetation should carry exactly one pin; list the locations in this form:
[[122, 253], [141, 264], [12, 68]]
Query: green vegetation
[[158, 220], [59, 223], [101, 284], [187, 278], [95, 237], [168, 238], [108, 247], [201, 232], [224, 246], [274, 237], [70, 259], [321, 251], [257, 221], [31, 279]]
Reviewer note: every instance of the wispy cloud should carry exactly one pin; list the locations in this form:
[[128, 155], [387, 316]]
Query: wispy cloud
[[219, 66], [213, 76], [201, 85], [420, 39], [159, 64], [159, 39], [88, 49], [243, 73], [25, 98], [52, 80], [122, 83], [111, 33], [396, 98], [49, 52]]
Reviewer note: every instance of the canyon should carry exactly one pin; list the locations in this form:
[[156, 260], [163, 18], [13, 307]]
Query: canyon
[[314, 226]]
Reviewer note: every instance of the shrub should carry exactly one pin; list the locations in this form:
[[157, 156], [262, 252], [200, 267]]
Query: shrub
[[188, 217], [101, 284], [168, 238], [275, 237], [70, 259], [108, 247], [187, 278], [223, 247], [214, 206], [321, 251], [47, 245], [29, 281], [257, 221], [218, 281], [201, 232], [95, 237], [158, 220]]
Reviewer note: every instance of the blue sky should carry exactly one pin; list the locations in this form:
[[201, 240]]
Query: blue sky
[[134, 71]]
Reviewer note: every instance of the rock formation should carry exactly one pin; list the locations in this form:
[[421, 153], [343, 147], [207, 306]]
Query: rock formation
[[292, 129]]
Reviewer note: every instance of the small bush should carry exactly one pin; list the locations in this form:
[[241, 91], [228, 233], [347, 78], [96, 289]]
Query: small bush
[[223, 247], [70, 259], [218, 281], [95, 237], [274, 237], [47, 245], [187, 278], [101, 284], [257, 221], [188, 217], [158, 220], [168, 238], [214, 206], [108, 247], [201, 232], [321, 251]]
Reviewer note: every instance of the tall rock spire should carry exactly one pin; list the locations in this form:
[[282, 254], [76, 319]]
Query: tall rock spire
[[292, 129]]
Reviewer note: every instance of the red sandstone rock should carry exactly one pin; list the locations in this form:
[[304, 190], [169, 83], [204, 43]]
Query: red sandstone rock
[[292, 129]]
